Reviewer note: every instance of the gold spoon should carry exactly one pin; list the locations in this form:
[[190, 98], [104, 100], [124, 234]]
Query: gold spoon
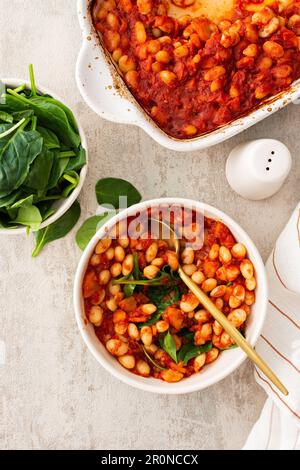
[[217, 314]]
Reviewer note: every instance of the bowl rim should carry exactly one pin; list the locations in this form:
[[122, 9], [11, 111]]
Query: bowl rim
[[67, 203], [87, 64], [183, 386]]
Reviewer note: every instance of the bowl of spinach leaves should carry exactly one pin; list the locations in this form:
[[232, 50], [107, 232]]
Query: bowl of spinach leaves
[[43, 156]]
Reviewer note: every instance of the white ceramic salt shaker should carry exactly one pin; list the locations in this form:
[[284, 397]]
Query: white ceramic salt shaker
[[257, 169]]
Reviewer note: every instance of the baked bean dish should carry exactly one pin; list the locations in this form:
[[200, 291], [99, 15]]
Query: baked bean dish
[[193, 75], [144, 314]]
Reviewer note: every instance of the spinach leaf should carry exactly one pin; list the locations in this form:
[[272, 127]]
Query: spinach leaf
[[162, 297], [5, 127], [40, 171], [5, 222], [65, 109], [15, 159], [129, 284], [52, 116], [11, 104], [129, 289], [58, 229], [50, 140], [58, 168], [6, 117], [12, 214], [189, 351], [163, 291], [18, 115], [168, 344], [4, 139], [136, 275], [67, 154], [186, 333], [89, 228], [45, 208], [7, 201], [48, 213], [28, 215], [78, 161], [108, 191], [10, 129], [22, 202]]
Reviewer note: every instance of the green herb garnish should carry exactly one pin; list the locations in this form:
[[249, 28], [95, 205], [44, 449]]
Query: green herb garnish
[[152, 360], [168, 344], [187, 334], [161, 279], [163, 297], [137, 273], [189, 351]]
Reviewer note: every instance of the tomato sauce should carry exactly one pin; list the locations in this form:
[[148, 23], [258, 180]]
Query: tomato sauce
[[192, 75]]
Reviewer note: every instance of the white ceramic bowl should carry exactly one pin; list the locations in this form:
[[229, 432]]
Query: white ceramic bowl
[[62, 205], [228, 360], [97, 79]]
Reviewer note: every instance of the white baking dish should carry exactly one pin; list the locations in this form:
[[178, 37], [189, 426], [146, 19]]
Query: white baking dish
[[106, 93]]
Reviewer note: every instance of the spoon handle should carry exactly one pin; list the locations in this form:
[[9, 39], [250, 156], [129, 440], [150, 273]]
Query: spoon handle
[[232, 331]]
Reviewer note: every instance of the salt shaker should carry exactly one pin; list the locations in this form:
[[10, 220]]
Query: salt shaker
[[257, 169]]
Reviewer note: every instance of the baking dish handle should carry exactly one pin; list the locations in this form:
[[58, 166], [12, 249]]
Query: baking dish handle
[[103, 90], [296, 99]]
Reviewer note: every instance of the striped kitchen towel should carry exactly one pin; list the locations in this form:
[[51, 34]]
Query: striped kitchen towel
[[279, 424]]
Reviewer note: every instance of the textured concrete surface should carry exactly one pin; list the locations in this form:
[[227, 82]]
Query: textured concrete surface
[[53, 394]]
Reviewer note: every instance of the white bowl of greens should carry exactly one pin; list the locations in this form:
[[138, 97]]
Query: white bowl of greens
[[43, 156]]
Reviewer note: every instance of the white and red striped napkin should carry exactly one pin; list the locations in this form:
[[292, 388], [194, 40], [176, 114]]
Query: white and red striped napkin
[[279, 424]]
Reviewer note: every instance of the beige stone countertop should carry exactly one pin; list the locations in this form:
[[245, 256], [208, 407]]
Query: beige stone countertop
[[54, 395]]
